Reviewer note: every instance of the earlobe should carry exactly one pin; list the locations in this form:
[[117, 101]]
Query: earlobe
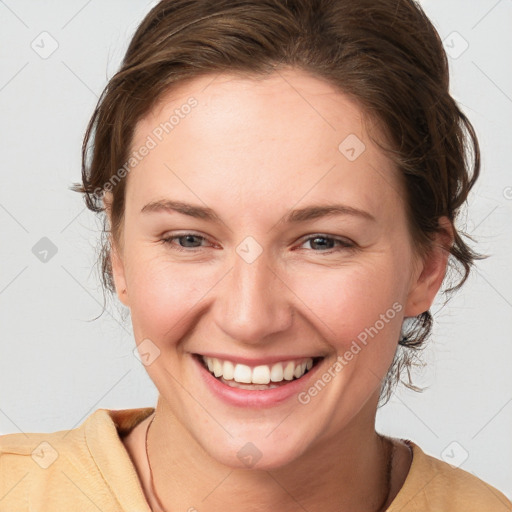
[[118, 274], [431, 272], [116, 260]]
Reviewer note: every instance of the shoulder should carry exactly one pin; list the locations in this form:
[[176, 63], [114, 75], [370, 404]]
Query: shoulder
[[78, 462], [433, 484], [39, 448], [33, 463]]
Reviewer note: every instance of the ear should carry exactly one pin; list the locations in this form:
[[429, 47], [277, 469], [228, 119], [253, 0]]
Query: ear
[[116, 256], [429, 274]]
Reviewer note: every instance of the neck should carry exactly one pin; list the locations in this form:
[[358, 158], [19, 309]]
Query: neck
[[346, 472]]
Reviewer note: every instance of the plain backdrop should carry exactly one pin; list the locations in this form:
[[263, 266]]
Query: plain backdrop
[[58, 364]]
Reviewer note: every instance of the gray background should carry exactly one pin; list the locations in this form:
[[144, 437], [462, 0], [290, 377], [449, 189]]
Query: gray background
[[58, 365]]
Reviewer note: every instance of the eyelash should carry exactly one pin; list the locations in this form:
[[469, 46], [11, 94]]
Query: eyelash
[[344, 244]]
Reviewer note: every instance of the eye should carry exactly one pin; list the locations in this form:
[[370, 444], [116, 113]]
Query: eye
[[190, 242], [187, 242], [328, 244]]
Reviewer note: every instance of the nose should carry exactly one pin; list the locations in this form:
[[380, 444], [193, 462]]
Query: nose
[[253, 302]]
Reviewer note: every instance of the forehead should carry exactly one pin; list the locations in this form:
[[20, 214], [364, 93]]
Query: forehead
[[289, 134], [263, 103]]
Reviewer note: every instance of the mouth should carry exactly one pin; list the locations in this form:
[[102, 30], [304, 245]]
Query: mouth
[[259, 377]]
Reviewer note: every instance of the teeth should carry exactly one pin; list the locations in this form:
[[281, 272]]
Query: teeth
[[242, 373], [276, 373], [288, 371], [228, 370], [217, 368], [263, 374], [260, 375]]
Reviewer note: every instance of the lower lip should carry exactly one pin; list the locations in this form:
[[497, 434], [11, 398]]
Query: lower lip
[[253, 398]]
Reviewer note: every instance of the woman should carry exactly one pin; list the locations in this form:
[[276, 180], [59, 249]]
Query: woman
[[280, 182]]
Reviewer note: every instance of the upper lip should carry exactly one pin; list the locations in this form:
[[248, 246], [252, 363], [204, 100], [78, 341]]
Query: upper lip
[[256, 361]]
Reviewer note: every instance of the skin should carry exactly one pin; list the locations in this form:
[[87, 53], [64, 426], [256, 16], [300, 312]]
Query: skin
[[252, 151]]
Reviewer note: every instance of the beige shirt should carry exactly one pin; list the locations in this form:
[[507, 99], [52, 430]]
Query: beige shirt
[[88, 468]]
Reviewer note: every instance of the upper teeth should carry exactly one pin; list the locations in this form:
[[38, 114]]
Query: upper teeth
[[262, 374]]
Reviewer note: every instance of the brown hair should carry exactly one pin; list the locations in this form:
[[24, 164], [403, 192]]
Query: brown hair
[[385, 54]]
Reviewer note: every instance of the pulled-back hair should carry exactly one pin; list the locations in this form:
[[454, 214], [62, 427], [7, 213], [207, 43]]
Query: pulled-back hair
[[384, 54]]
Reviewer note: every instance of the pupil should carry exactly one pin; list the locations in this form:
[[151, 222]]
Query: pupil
[[188, 238], [329, 244]]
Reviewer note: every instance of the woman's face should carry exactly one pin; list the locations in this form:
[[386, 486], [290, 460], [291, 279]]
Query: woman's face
[[228, 250]]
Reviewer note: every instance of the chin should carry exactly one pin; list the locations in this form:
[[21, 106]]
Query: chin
[[259, 454]]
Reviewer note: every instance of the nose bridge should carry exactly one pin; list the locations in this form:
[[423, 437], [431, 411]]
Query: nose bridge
[[253, 301]]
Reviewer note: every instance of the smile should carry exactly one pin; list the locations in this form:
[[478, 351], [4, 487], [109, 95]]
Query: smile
[[258, 377]]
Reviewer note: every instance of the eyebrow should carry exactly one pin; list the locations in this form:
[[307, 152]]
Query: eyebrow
[[199, 212], [295, 216]]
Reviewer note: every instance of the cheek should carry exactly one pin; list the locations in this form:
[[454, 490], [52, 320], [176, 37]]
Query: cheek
[[163, 297], [358, 302]]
